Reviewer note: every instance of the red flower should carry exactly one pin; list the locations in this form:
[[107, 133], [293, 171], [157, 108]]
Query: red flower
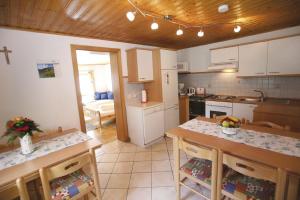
[[23, 129]]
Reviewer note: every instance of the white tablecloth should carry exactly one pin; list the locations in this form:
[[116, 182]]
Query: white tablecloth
[[281, 144], [44, 147]]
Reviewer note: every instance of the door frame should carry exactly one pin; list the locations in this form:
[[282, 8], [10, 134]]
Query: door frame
[[118, 88]]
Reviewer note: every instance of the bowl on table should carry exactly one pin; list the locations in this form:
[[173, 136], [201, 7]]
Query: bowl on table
[[230, 125]]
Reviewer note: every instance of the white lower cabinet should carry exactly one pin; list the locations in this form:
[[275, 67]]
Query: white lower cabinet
[[145, 124], [244, 111]]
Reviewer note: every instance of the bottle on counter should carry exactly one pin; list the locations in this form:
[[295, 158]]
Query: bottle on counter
[[144, 96]]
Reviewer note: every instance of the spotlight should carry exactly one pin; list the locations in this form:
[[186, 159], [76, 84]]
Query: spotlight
[[130, 15]]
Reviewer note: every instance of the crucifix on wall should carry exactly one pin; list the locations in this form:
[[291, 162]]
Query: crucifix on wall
[[6, 52]]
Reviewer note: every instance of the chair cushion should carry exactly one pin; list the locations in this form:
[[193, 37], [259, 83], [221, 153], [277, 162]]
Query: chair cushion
[[199, 168], [68, 186], [245, 187]]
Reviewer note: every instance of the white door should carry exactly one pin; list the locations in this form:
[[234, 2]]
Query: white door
[[244, 111], [168, 59], [253, 59], [224, 55], [171, 118], [170, 88], [145, 65], [153, 125], [283, 56]]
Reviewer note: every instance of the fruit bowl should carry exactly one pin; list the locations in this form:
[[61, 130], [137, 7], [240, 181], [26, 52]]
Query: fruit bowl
[[229, 131], [230, 125]]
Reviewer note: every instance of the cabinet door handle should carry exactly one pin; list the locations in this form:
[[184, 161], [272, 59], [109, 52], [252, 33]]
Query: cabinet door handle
[[259, 73], [274, 72], [231, 59], [168, 78], [142, 78]]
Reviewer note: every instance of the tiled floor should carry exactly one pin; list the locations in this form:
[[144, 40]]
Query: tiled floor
[[129, 172]]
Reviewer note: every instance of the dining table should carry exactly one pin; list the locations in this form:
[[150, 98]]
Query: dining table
[[269, 146], [50, 149]]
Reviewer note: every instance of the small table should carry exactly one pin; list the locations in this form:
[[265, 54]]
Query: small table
[[277, 160], [30, 169]]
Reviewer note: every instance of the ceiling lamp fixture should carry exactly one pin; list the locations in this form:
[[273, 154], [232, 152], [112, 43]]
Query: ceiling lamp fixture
[[200, 33], [237, 29], [154, 25], [179, 31], [223, 8], [131, 15]]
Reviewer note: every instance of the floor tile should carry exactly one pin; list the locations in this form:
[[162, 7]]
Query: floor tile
[[139, 194], [140, 180], [142, 166], [162, 179], [115, 194], [142, 156], [129, 148], [123, 167], [143, 149], [159, 147], [163, 193], [119, 181], [105, 168], [160, 155], [107, 157], [103, 180], [161, 166], [125, 157]]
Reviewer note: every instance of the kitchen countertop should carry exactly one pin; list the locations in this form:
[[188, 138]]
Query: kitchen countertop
[[149, 104]]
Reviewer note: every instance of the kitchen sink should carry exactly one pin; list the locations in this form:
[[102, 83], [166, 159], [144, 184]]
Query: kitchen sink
[[254, 100]]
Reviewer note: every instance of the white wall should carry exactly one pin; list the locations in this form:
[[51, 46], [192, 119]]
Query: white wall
[[51, 102], [199, 57]]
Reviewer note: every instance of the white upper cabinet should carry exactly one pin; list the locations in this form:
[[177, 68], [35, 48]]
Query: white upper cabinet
[[224, 55], [253, 59], [168, 59], [140, 65], [145, 65], [284, 56]]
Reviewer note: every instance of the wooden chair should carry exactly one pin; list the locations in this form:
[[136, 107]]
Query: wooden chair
[[62, 176], [262, 176], [205, 159], [13, 191], [270, 125]]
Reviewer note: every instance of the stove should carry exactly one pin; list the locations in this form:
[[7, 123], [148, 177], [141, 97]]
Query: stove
[[197, 105], [222, 97], [219, 106]]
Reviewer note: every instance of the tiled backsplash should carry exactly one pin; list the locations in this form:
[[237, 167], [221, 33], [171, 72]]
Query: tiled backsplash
[[132, 91], [229, 84]]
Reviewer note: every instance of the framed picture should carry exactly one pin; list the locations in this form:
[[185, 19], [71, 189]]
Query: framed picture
[[46, 70]]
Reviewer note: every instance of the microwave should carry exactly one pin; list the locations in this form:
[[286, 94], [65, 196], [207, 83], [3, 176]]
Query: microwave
[[182, 67]]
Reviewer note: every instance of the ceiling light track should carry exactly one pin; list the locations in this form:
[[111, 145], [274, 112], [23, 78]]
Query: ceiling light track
[[169, 18]]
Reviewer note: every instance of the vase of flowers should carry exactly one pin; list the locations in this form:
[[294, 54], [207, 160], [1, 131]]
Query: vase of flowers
[[23, 129]]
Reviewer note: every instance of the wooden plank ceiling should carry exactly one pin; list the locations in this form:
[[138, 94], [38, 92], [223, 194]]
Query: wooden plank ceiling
[[105, 19]]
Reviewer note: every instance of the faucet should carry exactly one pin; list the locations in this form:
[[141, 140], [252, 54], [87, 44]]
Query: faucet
[[262, 95]]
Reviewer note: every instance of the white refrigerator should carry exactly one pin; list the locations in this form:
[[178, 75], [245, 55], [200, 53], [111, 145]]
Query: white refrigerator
[[170, 97]]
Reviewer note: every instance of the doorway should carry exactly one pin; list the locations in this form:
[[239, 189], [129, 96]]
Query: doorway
[[100, 92]]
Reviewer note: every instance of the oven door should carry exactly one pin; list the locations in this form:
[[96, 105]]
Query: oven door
[[217, 110], [196, 108]]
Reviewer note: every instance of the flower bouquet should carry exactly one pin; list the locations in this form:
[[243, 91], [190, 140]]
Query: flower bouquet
[[23, 129]]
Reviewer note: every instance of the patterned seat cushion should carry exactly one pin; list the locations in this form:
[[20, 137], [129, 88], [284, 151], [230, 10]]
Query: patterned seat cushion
[[247, 188], [68, 186], [199, 168]]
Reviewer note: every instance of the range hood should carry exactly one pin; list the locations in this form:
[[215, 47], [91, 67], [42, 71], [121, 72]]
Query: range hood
[[223, 66]]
